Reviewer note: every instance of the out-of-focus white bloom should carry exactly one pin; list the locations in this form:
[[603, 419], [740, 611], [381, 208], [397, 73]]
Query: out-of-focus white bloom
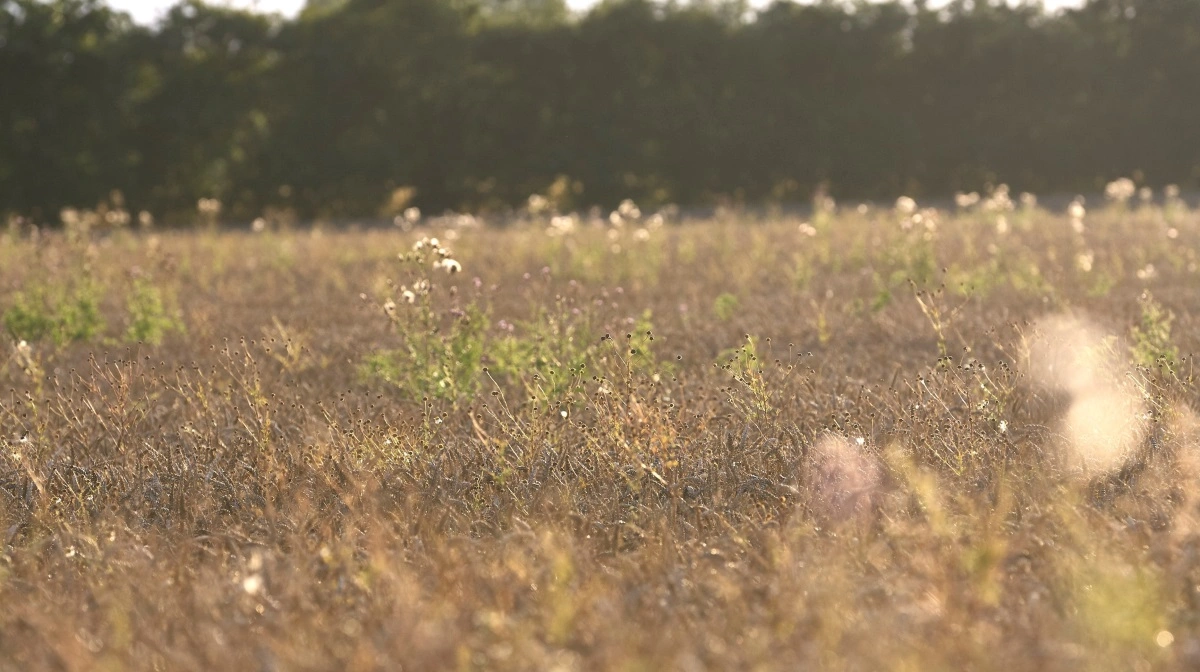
[[1085, 260], [807, 229], [1076, 209], [1147, 272], [448, 265], [1076, 212], [966, 201], [1171, 191], [906, 205], [69, 217], [641, 235], [258, 225], [209, 207], [629, 210], [537, 204], [1028, 201], [1120, 190], [252, 584], [412, 215], [998, 200], [561, 225]]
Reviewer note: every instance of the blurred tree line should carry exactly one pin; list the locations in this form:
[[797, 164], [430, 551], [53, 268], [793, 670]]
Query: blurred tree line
[[358, 105]]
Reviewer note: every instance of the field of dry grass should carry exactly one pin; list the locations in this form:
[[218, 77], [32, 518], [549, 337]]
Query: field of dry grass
[[873, 438]]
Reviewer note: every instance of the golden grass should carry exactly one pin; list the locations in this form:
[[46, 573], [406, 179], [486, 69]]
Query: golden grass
[[843, 444]]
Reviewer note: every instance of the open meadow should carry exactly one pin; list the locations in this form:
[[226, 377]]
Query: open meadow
[[865, 438]]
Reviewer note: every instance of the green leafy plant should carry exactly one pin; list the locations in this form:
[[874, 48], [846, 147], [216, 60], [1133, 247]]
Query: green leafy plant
[[725, 306], [439, 364], [149, 318], [441, 351], [62, 313], [548, 355], [1152, 335]]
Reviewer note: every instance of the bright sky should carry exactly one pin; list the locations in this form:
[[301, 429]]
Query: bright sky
[[147, 11]]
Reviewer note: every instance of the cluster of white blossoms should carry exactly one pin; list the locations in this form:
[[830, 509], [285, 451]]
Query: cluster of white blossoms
[[561, 225], [209, 207], [441, 254], [913, 217], [966, 201], [627, 210], [1120, 190], [1076, 212], [999, 200]]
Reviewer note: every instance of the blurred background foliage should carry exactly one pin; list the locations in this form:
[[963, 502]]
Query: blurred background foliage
[[476, 104]]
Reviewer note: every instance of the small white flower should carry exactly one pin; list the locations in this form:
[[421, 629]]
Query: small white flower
[[1076, 209], [1120, 190], [448, 265], [252, 584], [906, 205], [1085, 260]]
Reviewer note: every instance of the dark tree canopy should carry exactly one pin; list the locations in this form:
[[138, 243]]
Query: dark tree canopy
[[479, 103]]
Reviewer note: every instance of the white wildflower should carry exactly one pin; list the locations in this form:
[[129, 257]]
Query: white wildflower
[[1120, 190]]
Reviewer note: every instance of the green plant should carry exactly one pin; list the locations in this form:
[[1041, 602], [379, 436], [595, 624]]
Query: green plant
[[149, 319], [62, 313], [439, 364], [725, 306], [547, 355], [441, 351], [1152, 343]]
